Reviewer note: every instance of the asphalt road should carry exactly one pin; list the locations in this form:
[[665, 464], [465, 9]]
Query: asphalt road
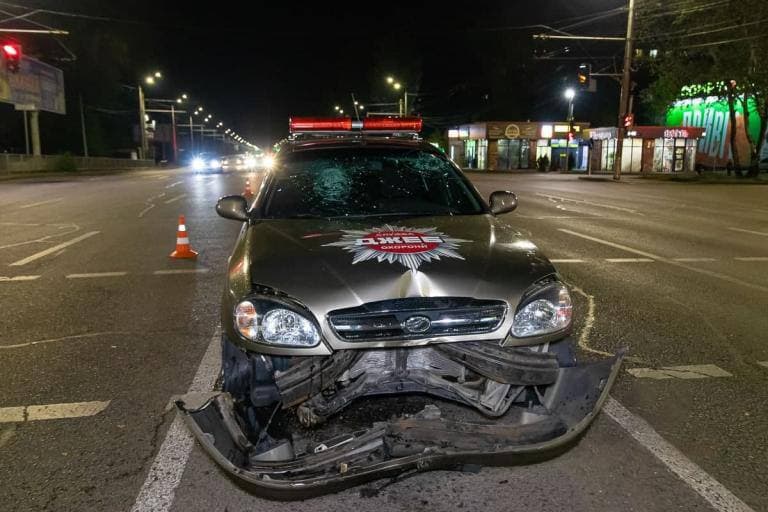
[[100, 326]]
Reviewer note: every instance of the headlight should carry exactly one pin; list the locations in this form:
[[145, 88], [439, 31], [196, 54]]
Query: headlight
[[268, 162], [250, 162], [198, 163], [544, 310], [269, 322], [215, 163]]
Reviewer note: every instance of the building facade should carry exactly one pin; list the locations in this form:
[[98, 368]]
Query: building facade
[[646, 149], [513, 145]]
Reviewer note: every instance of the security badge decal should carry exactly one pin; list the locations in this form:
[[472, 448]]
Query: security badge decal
[[408, 246]]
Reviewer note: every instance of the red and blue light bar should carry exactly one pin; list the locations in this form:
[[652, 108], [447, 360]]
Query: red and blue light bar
[[346, 124]]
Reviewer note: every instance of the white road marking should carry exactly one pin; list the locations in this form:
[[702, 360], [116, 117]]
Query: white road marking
[[73, 228], [715, 493], [761, 233], [175, 198], [566, 260], [63, 338], [174, 184], [669, 261], [629, 260], [752, 258], [51, 411], [55, 248], [95, 274], [696, 371], [41, 203], [763, 363], [181, 271], [165, 474], [591, 203], [4, 279], [693, 260], [145, 210]]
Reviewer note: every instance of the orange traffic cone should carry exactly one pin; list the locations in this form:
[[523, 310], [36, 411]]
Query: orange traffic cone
[[183, 249], [248, 192]]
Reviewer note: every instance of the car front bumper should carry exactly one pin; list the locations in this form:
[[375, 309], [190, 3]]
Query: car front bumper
[[413, 442]]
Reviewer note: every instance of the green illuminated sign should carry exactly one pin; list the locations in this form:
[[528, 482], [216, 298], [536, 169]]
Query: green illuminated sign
[[711, 113]]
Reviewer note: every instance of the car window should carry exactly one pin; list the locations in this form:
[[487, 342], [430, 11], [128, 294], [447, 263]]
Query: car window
[[366, 182]]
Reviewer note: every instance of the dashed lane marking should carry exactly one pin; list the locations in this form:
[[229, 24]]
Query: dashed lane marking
[[591, 203], [41, 203], [669, 261], [629, 260], [159, 489], [715, 493], [763, 363], [696, 371], [174, 199], [693, 260], [566, 260], [51, 411], [54, 249], [749, 231], [174, 184], [181, 271], [95, 275], [752, 258], [4, 279]]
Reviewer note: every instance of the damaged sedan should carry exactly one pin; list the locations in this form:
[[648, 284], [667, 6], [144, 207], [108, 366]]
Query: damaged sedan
[[380, 317]]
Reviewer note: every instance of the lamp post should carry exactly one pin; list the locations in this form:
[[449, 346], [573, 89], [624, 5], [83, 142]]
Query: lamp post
[[569, 94], [149, 80], [403, 107]]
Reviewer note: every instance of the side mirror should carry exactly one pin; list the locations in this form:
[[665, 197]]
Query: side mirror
[[502, 202], [233, 207]]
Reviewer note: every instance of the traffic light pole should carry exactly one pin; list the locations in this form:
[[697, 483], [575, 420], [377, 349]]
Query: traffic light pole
[[626, 85], [570, 134]]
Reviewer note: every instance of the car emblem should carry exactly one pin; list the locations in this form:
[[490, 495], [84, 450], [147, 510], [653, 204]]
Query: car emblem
[[417, 324], [408, 246]]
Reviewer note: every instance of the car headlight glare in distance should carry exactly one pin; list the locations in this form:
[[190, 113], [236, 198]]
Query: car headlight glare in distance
[[198, 163], [546, 311], [215, 163], [250, 162]]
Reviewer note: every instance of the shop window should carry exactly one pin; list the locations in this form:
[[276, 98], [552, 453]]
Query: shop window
[[470, 154], [632, 155], [482, 154]]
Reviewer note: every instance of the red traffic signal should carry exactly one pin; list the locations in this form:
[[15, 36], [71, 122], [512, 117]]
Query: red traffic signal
[[629, 120], [12, 55]]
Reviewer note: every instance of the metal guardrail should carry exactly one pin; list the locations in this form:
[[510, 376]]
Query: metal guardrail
[[10, 162]]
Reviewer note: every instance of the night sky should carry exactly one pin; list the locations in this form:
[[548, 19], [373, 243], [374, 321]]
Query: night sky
[[254, 64]]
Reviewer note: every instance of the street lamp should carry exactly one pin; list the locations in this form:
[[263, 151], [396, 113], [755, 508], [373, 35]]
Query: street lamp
[[149, 80], [337, 108], [570, 94], [390, 80]]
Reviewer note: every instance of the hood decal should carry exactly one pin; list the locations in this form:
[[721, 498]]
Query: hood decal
[[397, 244]]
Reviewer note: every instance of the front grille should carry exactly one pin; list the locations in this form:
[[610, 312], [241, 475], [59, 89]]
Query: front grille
[[389, 319]]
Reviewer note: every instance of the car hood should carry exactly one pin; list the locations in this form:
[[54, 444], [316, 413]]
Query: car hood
[[332, 264]]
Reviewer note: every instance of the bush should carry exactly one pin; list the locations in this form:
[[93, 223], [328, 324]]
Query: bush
[[64, 163]]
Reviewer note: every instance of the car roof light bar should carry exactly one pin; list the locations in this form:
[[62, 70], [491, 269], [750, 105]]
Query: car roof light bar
[[346, 124]]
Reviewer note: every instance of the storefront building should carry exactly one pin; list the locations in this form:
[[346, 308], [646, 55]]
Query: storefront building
[[646, 149], [505, 146]]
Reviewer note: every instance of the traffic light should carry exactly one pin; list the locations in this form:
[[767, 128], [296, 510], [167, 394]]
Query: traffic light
[[628, 120], [584, 75], [12, 56]]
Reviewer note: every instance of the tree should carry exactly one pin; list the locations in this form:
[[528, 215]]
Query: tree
[[722, 46]]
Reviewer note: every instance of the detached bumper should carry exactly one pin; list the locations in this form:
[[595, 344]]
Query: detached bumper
[[421, 442]]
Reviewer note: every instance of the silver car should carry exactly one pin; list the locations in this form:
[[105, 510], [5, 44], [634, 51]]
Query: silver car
[[380, 317]]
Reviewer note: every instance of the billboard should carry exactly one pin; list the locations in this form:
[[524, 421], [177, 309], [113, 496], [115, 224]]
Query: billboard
[[37, 84], [711, 113]]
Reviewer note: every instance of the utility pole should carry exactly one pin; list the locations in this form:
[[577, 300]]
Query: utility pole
[[34, 121], [26, 132], [173, 129], [82, 124], [142, 124], [626, 84]]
